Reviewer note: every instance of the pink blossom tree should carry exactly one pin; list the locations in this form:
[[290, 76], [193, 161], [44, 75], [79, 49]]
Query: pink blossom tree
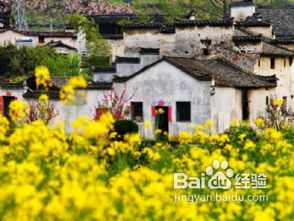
[[50, 9], [116, 104]]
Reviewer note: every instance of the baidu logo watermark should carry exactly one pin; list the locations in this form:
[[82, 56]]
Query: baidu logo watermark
[[220, 176]]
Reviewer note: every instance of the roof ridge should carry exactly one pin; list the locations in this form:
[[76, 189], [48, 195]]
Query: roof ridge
[[266, 40]]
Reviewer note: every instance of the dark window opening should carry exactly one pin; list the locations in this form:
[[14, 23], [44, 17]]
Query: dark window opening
[[41, 39], [290, 61], [162, 121], [259, 63], [206, 42], [266, 100], [273, 63], [6, 102], [284, 106], [110, 29], [137, 111], [183, 111], [245, 105], [205, 51]]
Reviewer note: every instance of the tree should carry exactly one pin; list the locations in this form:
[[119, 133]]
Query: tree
[[114, 103], [56, 9], [99, 49], [203, 9]]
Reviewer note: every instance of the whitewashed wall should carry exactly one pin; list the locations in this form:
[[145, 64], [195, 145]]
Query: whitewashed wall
[[11, 36], [226, 105], [135, 39], [285, 74], [164, 82], [188, 40], [69, 113], [242, 12]]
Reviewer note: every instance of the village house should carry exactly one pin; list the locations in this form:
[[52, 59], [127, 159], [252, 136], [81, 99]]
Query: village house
[[194, 69], [62, 41]]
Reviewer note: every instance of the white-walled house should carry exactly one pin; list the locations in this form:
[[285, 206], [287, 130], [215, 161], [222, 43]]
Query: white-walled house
[[33, 38], [193, 91], [190, 91], [195, 70]]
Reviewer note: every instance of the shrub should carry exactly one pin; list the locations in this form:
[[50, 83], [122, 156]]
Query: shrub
[[123, 127]]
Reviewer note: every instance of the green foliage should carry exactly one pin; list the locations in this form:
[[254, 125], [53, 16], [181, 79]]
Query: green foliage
[[62, 65], [99, 49], [123, 127], [203, 9], [22, 61], [19, 63]]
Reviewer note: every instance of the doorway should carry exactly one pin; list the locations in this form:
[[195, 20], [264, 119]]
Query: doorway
[[162, 120], [245, 105], [6, 101]]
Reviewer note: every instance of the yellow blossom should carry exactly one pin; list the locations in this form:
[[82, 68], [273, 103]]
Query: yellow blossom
[[42, 75], [147, 124], [278, 102]]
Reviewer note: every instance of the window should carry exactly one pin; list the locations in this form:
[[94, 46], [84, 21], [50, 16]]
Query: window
[[6, 102], [245, 105], [273, 63], [267, 101], [137, 111], [259, 63], [290, 61], [284, 106], [183, 111], [41, 39]]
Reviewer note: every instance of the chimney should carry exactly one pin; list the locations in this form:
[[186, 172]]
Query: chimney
[[241, 9]]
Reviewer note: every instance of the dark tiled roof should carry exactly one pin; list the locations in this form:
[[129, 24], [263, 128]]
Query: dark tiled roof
[[50, 34], [45, 34], [225, 73], [283, 41], [269, 49], [149, 50], [99, 86], [60, 44], [134, 60], [257, 38], [52, 94], [8, 85], [113, 36], [216, 23], [252, 23], [282, 19], [110, 69], [142, 26]]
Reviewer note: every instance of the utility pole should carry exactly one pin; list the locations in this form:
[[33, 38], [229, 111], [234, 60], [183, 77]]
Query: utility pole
[[20, 11]]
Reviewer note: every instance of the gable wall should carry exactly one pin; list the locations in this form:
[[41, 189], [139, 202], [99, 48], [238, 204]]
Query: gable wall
[[284, 74], [188, 40], [11, 36], [164, 82]]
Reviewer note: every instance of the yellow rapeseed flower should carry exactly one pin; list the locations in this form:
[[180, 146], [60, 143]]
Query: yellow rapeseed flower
[[18, 111], [147, 124], [259, 122], [42, 75], [68, 94], [278, 102]]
